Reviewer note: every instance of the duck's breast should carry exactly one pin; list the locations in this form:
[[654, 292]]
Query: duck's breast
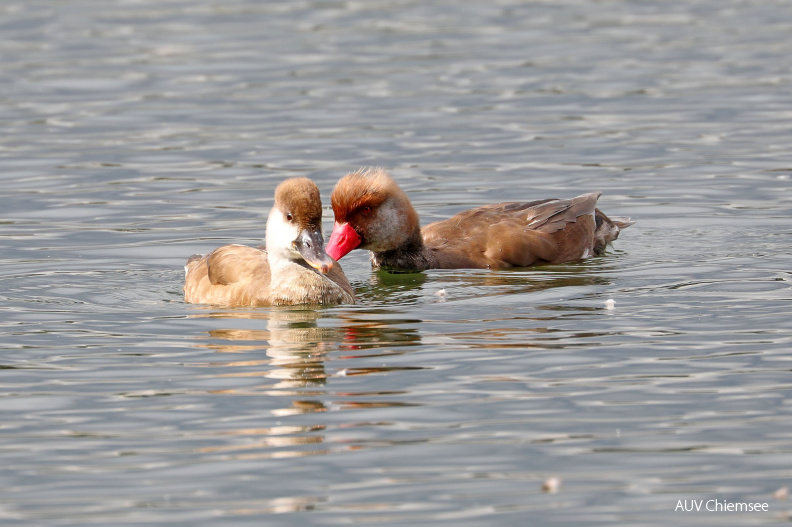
[[296, 283]]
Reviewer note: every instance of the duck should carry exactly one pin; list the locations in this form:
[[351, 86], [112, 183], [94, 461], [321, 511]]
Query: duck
[[291, 268], [373, 213]]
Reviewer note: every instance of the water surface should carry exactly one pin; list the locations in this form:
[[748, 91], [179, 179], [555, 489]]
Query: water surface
[[138, 133]]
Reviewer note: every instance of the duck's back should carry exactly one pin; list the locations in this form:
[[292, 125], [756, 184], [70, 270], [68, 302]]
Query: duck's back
[[515, 234]]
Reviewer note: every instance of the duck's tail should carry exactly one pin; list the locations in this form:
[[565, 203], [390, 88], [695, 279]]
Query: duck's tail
[[607, 229]]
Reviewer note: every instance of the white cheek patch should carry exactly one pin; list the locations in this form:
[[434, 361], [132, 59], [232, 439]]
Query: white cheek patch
[[280, 235]]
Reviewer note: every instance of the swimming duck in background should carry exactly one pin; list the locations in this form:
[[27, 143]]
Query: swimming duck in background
[[372, 212], [292, 268]]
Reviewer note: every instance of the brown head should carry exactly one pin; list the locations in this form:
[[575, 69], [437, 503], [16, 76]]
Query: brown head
[[299, 197], [294, 227], [371, 212]]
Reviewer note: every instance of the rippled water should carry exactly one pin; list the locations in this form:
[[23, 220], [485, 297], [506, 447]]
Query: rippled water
[[140, 132]]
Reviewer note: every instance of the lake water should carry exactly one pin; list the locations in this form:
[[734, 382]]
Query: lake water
[[139, 132]]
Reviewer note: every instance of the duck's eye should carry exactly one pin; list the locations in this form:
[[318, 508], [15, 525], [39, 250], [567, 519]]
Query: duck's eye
[[366, 210], [289, 216]]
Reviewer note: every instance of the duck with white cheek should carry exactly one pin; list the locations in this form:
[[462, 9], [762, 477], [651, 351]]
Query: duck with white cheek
[[373, 213], [291, 268]]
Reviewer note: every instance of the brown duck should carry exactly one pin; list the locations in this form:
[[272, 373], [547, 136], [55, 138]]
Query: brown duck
[[292, 268], [373, 213]]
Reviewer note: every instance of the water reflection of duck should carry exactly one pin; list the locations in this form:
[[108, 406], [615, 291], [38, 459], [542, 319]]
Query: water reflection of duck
[[289, 355], [295, 347], [373, 213], [292, 269]]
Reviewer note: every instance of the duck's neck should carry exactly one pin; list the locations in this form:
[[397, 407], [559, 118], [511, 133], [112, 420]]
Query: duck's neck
[[410, 256]]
